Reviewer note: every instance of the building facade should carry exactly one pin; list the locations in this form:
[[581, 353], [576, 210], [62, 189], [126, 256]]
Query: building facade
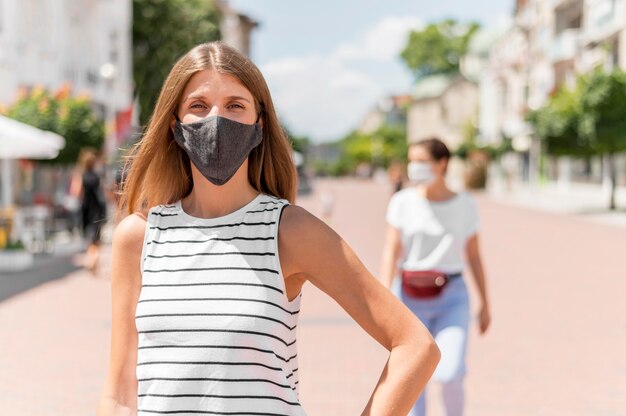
[[442, 106], [236, 28], [549, 43], [86, 43], [390, 111], [83, 44]]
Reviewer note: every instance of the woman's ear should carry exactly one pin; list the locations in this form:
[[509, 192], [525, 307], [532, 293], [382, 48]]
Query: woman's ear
[[172, 123], [443, 166]]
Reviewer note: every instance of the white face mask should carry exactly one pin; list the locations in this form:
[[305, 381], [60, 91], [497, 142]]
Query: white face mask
[[420, 172]]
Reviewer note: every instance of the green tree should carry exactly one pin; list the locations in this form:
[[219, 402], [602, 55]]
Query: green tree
[[588, 120], [71, 117], [556, 123], [438, 47], [300, 144], [603, 117], [380, 148], [163, 30]]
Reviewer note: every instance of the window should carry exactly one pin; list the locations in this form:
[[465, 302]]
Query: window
[[113, 43]]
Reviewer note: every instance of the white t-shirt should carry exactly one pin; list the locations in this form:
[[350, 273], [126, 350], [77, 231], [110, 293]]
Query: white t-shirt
[[434, 234]]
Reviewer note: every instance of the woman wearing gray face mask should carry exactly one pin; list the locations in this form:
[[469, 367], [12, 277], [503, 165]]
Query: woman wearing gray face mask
[[432, 232], [208, 266]]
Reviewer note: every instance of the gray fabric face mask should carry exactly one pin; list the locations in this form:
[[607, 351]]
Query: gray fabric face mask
[[217, 146]]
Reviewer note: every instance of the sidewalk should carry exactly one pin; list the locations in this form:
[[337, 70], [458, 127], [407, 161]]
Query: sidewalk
[[55, 342], [585, 201]]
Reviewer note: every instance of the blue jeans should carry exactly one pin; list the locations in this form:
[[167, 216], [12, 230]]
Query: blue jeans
[[447, 319]]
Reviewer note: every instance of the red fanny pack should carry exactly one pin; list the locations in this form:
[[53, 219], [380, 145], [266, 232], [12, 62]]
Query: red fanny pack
[[424, 283]]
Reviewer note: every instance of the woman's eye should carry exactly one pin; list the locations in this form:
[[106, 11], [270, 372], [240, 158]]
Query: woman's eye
[[236, 106], [198, 105]]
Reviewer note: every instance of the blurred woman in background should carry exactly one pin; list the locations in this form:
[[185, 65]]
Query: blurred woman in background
[[432, 232], [87, 186]]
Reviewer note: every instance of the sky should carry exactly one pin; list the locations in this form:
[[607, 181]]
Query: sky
[[327, 62]]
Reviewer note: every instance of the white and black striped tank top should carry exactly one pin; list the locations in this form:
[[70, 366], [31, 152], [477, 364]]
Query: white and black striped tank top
[[217, 333]]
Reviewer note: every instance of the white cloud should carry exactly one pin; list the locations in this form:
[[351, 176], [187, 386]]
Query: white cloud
[[319, 96], [325, 96], [381, 43]]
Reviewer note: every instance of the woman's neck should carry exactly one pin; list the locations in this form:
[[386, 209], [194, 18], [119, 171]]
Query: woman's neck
[[211, 201], [437, 191]]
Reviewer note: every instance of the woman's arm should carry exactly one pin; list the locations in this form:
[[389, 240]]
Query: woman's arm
[[391, 253], [472, 253], [76, 185], [119, 397], [310, 250]]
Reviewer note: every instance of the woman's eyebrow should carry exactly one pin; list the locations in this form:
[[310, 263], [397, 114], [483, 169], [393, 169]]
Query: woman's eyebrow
[[201, 96], [237, 97], [193, 97]]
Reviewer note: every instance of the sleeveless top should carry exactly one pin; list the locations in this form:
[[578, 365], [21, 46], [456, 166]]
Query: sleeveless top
[[216, 331], [93, 203]]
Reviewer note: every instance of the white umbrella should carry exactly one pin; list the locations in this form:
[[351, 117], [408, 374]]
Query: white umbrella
[[21, 141]]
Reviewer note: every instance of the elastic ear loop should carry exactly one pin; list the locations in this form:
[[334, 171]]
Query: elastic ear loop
[[261, 111], [177, 119]]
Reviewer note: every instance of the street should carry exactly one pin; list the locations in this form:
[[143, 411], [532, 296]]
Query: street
[[555, 346]]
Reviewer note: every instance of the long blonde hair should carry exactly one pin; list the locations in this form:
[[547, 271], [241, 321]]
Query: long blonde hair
[[158, 171]]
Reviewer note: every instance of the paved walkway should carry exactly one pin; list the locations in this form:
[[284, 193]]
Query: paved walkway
[[555, 348], [586, 201]]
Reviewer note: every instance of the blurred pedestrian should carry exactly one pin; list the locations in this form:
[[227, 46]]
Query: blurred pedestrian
[[327, 203], [204, 308], [87, 184], [396, 174], [432, 233]]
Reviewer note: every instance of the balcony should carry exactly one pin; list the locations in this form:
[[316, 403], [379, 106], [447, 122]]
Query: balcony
[[561, 3], [606, 19], [565, 46]]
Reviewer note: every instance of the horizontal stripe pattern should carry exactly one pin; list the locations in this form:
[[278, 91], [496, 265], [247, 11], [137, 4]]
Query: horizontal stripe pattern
[[216, 332]]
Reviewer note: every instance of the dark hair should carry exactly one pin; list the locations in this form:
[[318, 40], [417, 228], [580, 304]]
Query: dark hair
[[435, 147]]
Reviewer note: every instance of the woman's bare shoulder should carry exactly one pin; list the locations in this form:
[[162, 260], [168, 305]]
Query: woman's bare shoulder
[[303, 229], [130, 231], [295, 219]]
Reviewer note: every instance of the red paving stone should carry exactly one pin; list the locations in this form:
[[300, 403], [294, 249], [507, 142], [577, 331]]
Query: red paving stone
[[555, 347]]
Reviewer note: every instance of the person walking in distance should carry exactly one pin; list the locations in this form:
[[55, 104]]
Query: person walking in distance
[[208, 266], [431, 233], [86, 185]]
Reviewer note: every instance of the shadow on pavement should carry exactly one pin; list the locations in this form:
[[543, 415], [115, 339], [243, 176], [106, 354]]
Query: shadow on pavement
[[600, 211], [45, 269]]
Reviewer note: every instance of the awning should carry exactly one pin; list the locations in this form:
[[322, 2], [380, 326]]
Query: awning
[[21, 141]]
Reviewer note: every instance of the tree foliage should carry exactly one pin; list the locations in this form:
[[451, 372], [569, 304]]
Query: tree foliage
[[438, 47], [587, 120], [70, 117], [556, 123], [603, 111], [163, 30], [379, 148]]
